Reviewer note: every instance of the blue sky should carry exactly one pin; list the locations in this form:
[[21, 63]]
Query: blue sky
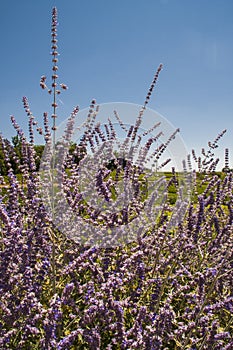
[[110, 50]]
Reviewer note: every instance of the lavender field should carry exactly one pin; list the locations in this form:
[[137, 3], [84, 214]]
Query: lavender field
[[168, 286]]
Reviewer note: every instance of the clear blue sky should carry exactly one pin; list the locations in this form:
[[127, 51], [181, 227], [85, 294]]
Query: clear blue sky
[[110, 50]]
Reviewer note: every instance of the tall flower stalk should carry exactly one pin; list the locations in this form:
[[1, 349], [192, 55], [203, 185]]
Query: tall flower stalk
[[54, 91]]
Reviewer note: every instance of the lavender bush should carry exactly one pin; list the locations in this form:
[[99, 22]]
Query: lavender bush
[[170, 288]]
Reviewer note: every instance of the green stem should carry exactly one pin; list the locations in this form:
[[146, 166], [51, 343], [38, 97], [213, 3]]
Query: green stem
[[53, 187]]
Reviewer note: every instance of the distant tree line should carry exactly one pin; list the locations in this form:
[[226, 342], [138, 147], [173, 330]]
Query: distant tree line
[[15, 156], [14, 152]]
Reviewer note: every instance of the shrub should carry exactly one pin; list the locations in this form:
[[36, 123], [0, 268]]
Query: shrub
[[171, 288]]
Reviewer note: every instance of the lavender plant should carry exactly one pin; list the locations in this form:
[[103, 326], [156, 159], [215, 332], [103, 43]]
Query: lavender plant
[[169, 288]]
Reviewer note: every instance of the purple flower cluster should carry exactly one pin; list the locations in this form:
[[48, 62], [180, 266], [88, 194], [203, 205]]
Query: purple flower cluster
[[172, 288]]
